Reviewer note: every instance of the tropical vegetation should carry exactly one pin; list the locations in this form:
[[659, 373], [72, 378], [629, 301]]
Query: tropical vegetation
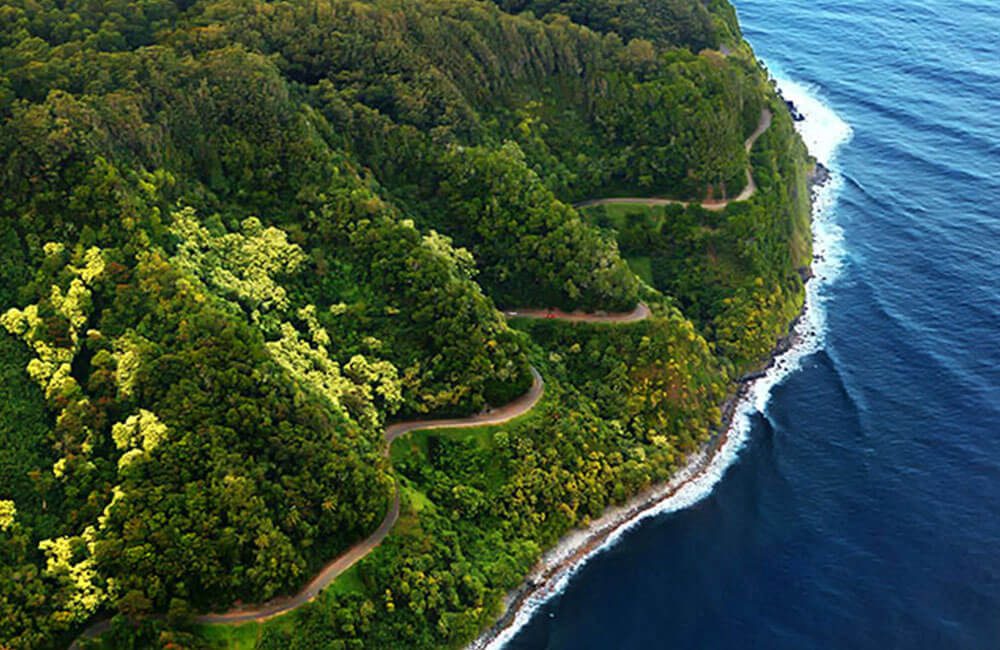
[[238, 238]]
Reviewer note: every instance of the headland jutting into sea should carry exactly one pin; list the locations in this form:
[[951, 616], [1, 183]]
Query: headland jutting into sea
[[706, 467]]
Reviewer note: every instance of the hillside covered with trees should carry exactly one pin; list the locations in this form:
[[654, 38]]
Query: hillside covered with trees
[[239, 238]]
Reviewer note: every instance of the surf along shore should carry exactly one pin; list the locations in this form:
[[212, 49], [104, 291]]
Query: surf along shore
[[559, 563]]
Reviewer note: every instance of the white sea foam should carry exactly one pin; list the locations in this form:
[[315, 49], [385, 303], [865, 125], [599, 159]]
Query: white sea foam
[[824, 132]]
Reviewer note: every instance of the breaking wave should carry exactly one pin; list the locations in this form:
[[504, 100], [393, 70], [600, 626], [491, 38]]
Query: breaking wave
[[823, 132]]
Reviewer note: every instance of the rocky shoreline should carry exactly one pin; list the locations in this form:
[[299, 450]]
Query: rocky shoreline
[[561, 561]]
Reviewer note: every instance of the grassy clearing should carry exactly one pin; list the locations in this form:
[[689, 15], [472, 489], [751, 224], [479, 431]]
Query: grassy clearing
[[414, 499], [618, 215], [642, 266], [480, 435], [631, 217], [346, 582], [232, 637], [245, 636]]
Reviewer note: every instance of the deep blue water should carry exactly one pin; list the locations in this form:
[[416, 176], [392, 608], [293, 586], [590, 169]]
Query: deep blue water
[[864, 510]]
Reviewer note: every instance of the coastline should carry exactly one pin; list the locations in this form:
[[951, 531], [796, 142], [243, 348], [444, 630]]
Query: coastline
[[558, 564]]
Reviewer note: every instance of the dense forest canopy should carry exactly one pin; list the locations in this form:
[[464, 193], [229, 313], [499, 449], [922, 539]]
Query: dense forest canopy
[[238, 238], [694, 25]]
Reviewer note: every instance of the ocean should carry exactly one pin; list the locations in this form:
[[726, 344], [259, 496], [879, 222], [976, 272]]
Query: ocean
[[858, 502]]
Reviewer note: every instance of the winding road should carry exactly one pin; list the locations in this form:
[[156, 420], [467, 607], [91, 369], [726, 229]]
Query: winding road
[[641, 312], [717, 205], [498, 415], [350, 557], [343, 562], [518, 407]]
